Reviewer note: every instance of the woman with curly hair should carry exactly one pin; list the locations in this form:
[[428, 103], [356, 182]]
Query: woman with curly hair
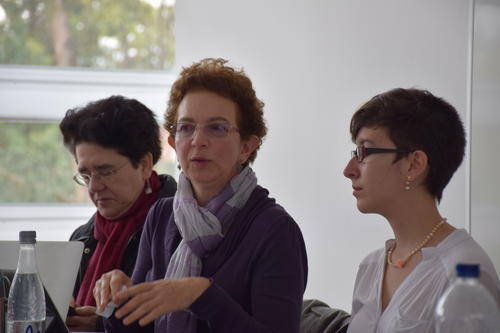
[[221, 256]]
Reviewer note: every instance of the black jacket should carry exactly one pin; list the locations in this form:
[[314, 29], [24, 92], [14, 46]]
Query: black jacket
[[85, 234], [318, 317]]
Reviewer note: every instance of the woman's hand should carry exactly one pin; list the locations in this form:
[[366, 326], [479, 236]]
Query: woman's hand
[[108, 286], [150, 300], [84, 321]]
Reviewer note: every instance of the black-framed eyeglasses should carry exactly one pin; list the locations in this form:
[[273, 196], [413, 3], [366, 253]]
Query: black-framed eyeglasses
[[185, 130], [361, 152], [106, 175]]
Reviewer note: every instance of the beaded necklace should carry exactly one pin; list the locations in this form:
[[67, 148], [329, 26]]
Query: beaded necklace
[[402, 262]]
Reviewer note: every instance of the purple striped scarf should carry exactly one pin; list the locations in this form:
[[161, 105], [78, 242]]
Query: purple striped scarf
[[202, 229]]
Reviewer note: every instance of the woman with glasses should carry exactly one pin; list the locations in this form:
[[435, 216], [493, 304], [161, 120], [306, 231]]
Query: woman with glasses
[[409, 144], [221, 256], [116, 143]]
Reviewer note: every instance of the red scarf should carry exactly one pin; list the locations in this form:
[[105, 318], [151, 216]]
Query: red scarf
[[113, 237]]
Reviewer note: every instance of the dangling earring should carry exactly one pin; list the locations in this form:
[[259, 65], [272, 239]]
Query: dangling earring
[[407, 183], [148, 189]]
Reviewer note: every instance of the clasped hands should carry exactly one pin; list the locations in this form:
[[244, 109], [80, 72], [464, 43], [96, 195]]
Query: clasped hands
[[144, 302]]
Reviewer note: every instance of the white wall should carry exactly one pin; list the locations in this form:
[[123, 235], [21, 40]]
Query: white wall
[[485, 121], [313, 63]]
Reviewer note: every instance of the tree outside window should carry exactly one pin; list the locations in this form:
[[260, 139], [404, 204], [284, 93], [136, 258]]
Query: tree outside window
[[136, 35], [108, 34]]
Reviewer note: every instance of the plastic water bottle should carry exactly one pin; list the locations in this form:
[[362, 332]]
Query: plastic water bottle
[[466, 306], [26, 304]]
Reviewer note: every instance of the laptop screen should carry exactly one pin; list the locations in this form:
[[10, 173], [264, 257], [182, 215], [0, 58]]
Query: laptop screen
[[58, 264], [53, 321]]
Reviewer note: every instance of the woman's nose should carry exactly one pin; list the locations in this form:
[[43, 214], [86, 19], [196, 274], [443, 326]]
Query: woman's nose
[[351, 170], [95, 184], [199, 137]]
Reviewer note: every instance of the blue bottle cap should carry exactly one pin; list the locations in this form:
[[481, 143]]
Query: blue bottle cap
[[468, 270]]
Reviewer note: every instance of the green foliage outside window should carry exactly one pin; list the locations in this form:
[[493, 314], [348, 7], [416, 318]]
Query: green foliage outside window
[[109, 34], [36, 167]]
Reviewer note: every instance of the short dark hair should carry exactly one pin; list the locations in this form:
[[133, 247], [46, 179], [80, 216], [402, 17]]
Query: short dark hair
[[123, 124], [417, 120], [215, 76]]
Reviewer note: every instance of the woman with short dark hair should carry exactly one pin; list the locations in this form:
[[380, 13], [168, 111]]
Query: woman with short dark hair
[[408, 145], [116, 143]]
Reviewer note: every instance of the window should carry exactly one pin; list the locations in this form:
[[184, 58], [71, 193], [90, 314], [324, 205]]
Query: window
[[36, 167], [107, 34], [55, 55]]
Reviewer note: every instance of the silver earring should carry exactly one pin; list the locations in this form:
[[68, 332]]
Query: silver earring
[[148, 189], [407, 183]]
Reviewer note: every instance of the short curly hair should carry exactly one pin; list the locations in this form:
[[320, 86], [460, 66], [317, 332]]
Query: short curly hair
[[417, 120], [215, 76], [116, 122]]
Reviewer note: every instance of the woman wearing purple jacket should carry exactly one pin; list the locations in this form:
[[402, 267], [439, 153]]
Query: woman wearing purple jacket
[[221, 256]]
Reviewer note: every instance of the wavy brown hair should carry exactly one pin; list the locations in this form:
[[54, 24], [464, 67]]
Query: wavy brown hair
[[215, 76]]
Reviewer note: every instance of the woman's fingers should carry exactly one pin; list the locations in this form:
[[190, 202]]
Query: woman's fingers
[[84, 320], [108, 285], [148, 301], [100, 292], [136, 296], [118, 280], [145, 313]]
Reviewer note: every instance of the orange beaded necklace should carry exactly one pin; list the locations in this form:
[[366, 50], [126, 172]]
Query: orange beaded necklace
[[402, 262]]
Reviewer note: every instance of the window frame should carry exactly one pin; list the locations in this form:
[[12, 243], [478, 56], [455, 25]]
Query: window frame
[[43, 94], [56, 89]]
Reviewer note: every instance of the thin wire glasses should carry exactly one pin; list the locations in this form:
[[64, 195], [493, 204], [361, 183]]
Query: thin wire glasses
[[105, 175], [361, 152], [185, 130]]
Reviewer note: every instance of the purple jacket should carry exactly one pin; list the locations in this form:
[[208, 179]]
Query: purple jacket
[[259, 271]]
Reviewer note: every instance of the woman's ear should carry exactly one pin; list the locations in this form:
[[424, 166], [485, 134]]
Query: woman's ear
[[248, 147], [171, 141], [146, 163], [418, 164]]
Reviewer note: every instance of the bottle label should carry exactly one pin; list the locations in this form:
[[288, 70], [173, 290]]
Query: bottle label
[[26, 327]]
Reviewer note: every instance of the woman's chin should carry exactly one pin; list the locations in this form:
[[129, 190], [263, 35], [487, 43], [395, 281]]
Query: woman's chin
[[200, 177], [109, 214], [106, 215], [363, 207]]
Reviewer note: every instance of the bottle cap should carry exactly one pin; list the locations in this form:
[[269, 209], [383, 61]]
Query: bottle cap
[[27, 237], [468, 270]]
